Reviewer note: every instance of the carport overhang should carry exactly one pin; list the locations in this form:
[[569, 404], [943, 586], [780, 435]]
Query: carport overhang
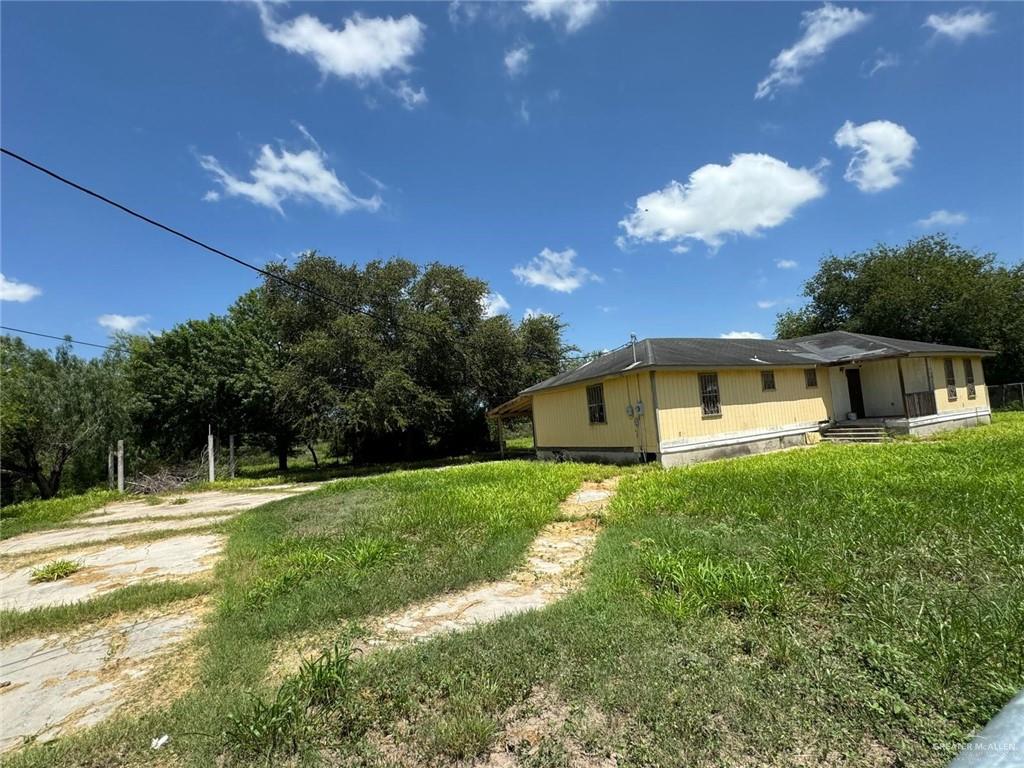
[[518, 407]]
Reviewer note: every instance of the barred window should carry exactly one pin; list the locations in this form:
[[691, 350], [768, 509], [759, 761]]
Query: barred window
[[972, 393], [811, 377], [950, 379], [710, 403], [595, 404], [767, 381]]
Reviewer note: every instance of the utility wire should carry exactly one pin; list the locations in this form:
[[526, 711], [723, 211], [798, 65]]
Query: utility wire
[[67, 339], [200, 243], [206, 246]]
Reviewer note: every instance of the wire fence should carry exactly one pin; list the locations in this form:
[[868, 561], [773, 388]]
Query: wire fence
[[1006, 397]]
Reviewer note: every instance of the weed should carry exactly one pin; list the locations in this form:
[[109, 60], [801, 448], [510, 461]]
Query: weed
[[55, 570], [462, 735], [179, 500], [688, 582], [295, 716]]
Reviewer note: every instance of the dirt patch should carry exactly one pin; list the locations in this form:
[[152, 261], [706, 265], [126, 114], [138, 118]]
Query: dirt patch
[[543, 729], [60, 683], [110, 568], [553, 568], [546, 722]]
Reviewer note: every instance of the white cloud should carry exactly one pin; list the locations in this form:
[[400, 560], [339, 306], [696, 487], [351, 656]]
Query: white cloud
[[754, 192], [461, 12], [786, 264], [742, 335], [516, 60], [572, 14], [282, 175], [768, 303], [409, 96], [530, 313], [965, 23], [12, 290], [524, 111], [822, 27], [126, 323], [881, 60], [495, 304], [554, 270], [364, 49], [211, 196], [881, 150], [942, 218]]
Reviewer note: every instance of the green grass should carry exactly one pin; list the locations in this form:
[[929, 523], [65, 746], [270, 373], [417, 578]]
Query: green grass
[[15, 625], [55, 570], [38, 514], [845, 605]]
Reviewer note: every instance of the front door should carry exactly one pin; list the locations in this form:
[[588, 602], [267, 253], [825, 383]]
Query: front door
[[856, 393]]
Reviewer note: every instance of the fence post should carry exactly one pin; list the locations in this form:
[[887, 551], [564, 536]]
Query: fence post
[[120, 466], [231, 455], [110, 467], [209, 447]]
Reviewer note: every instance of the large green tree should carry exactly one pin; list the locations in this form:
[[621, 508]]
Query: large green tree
[[221, 372], [57, 409], [929, 289]]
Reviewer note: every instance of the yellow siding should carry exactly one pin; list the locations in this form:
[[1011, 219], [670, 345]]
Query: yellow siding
[[915, 374], [880, 381], [562, 420], [744, 406], [961, 403]]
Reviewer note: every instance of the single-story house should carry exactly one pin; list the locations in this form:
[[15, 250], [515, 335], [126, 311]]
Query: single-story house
[[683, 400]]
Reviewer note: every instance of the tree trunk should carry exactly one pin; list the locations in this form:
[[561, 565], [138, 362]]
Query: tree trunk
[[282, 444], [312, 451]]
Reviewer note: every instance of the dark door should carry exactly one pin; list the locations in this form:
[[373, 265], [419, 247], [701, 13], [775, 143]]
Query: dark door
[[856, 393]]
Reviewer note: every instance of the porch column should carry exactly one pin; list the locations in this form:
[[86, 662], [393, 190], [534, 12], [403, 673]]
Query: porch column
[[903, 389]]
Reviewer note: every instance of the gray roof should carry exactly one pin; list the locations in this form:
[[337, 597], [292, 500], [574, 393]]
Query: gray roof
[[830, 348]]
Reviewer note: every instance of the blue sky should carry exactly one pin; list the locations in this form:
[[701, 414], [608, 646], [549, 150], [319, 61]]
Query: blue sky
[[664, 169]]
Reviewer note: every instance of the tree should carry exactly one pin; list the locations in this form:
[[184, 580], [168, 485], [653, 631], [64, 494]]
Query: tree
[[930, 289], [221, 372], [56, 408]]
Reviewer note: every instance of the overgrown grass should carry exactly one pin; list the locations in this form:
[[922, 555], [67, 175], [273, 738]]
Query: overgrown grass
[[845, 605], [39, 514], [17, 624], [55, 570]]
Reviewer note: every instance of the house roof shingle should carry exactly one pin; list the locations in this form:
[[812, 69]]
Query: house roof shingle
[[829, 348]]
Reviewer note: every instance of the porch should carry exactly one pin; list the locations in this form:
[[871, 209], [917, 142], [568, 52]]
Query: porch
[[887, 392]]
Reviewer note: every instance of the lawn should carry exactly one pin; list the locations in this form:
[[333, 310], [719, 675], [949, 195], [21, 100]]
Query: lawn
[[842, 605]]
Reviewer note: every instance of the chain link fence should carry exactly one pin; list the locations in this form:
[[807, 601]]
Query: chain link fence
[[1006, 397]]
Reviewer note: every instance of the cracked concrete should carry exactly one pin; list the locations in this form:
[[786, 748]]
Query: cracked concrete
[[110, 568], [55, 684], [199, 510]]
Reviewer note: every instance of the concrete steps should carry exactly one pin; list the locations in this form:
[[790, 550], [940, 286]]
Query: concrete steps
[[856, 433]]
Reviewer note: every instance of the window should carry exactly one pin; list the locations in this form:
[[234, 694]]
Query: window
[[767, 381], [950, 379], [972, 393], [595, 404], [811, 377], [710, 404]]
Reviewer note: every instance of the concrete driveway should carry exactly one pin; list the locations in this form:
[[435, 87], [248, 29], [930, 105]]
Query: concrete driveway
[[56, 683]]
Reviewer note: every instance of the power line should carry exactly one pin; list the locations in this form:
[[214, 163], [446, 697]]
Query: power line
[[66, 339], [200, 243]]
